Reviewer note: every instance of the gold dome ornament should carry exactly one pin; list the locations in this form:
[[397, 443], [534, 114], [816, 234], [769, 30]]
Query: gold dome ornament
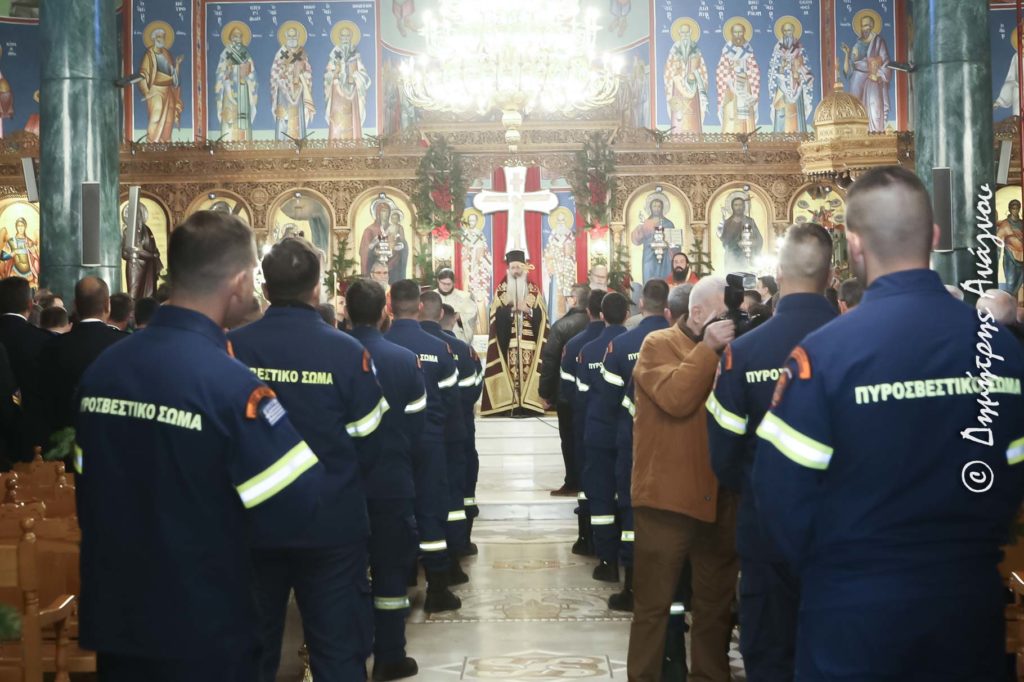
[[842, 142], [840, 115]]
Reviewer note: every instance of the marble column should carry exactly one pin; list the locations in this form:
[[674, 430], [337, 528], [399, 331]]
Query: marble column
[[953, 116], [78, 138]]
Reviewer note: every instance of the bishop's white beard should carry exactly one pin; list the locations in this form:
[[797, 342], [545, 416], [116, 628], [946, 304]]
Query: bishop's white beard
[[516, 288]]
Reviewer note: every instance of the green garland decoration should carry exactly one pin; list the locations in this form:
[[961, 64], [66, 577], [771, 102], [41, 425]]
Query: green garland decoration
[[700, 261], [423, 264], [10, 623], [440, 194], [619, 278], [592, 180]]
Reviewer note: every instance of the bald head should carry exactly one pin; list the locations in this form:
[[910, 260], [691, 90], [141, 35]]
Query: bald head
[[805, 259], [1000, 304], [92, 298], [432, 307], [889, 216]]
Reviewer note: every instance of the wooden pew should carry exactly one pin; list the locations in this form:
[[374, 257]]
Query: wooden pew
[[27, 659]]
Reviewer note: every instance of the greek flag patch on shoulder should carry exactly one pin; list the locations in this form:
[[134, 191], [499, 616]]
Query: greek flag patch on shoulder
[[272, 411]]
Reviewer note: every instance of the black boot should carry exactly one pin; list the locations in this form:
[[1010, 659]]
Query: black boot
[[439, 597], [673, 668], [623, 601], [606, 572], [395, 671], [456, 576], [583, 546]]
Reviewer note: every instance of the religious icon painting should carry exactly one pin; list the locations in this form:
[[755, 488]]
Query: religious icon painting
[[224, 201], [153, 226], [302, 213], [865, 40], [381, 225], [559, 267], [657, 218], [1008, 227], [19, 239], [824, 205], [346, 82], [162, 51], [1005, 68], [741, 235], [477, 263]]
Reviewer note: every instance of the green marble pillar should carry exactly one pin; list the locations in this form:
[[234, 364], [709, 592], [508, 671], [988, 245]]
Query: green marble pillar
[[78, 138], [953, 115]]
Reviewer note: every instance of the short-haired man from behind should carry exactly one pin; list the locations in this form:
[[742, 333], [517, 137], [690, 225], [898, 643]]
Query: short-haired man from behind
[[390, 486], [325, 379], [599, 436], [65, 359], [748, 372], [569, 390], [184, 459], [850, 292], [564, 329], [24, 343], [441, 377], [679, 509], [882, 476], [120, 315], [145, 308], [54, 320], [616, 374]]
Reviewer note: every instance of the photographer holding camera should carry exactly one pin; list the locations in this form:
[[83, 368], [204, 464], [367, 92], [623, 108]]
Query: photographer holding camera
[[750, 367], [679, 509]]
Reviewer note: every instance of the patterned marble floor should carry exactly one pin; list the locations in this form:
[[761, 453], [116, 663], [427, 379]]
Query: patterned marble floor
[[531, 611]]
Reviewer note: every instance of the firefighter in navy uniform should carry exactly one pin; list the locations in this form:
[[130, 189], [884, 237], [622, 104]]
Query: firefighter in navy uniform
[[616, 372], [441, 377], [184, 457], [750, 366], [598, 418], [325, 379], [470, 396], [878, 475], [390, 487], [584, 544], [455, 434]]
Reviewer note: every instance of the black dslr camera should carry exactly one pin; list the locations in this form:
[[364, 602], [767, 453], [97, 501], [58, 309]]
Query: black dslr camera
[[735, 284]]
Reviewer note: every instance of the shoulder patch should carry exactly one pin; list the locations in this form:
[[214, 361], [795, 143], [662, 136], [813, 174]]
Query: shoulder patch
[[780, 386], [272, 411], [231, 349], [255, 398], [367, 362], [727, 358], [803, 362]]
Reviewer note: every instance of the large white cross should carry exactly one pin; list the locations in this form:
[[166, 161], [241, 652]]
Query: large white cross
[[517, 201]]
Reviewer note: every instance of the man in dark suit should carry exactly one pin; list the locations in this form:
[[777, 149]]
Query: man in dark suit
[[23, 343], [66, 357]]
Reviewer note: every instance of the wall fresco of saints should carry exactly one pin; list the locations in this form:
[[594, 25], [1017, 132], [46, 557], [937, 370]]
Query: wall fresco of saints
[[735, 67], [291, 70]]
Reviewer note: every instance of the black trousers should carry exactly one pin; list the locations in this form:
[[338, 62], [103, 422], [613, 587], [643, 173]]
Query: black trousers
[[565, 433], [232, 666]]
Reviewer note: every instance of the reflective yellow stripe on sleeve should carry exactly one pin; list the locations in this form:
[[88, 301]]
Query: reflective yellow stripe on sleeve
[[479, 378], [582, 387], [417, 405], [611, 377], [726, 419], [457, 515], [78, 459], [1015, 453], [629, 405], [277, 477], [468, 381], [566, 376], [450, 381], [628, 536], [603, 520], [793, 444], [369, 423], [434, 546], [390, 603]]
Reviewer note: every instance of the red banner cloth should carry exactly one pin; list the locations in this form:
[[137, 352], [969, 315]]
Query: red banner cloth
[[582, 252], [499, 229]]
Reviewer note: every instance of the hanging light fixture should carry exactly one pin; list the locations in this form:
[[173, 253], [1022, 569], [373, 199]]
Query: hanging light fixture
[[513, 57]]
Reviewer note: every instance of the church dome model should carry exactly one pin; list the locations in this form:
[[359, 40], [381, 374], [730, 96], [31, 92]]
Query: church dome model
[[840, 114]]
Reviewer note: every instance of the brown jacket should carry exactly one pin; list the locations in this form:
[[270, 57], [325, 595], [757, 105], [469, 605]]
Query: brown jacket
[[671, 464]]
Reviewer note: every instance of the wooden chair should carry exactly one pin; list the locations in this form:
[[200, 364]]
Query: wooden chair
[[30, 656]]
